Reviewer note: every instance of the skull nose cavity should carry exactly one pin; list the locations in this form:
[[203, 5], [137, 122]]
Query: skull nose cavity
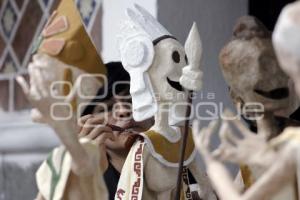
[[277, 94]]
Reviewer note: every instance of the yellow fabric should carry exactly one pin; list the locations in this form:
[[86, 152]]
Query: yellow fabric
[[78, 51], [170, 151], [246, 176]]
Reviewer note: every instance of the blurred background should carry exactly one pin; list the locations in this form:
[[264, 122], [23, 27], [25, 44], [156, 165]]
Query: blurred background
[[23, 144]]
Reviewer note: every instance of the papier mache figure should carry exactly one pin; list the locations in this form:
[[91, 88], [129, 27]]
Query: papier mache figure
[[160, 76], [279, 156], [58, 88], [247, 72]]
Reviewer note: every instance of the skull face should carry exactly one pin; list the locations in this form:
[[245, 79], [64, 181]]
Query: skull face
[[290, 64], [251, 69], [286, 42], [166, 70]]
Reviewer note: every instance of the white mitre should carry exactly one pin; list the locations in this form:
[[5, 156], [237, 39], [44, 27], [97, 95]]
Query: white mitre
[[286, 33], [136, 47]]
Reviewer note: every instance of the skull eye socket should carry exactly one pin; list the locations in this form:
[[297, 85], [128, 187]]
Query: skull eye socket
[[186, 59], [176, 57]]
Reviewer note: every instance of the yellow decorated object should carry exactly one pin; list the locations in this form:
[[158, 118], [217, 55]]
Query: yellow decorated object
[[167, 151], [66, 39], [246, 176]]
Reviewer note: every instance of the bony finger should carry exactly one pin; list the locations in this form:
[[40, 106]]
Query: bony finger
[[23, 84], [218, 154], [198, 140], [30, 68], [242, 128], [35, 85], [211, 128], [195, 128], [227, 133], [224, 134], [230, 154], [73, 93], [223, 130], [202, 134], [213, 125], [206, 139], [41, 85], [29, 92], [231, 137]]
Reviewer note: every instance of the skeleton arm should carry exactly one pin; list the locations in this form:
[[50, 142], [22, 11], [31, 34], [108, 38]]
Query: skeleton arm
[[39, 96], [206, 190], [248, 149]]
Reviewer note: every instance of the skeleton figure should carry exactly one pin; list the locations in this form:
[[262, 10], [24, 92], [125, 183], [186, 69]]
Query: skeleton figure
[[159, 71], [64, 55], [247, 71], [280, 155]]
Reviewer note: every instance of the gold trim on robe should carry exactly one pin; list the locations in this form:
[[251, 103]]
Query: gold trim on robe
[[167, 152]]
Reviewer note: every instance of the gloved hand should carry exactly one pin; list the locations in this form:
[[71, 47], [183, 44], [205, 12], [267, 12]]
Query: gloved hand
[[191, 78]]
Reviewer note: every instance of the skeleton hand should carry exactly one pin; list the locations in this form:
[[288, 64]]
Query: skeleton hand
[[251, 149], [191, 78], [45, 63], [39, 95]]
